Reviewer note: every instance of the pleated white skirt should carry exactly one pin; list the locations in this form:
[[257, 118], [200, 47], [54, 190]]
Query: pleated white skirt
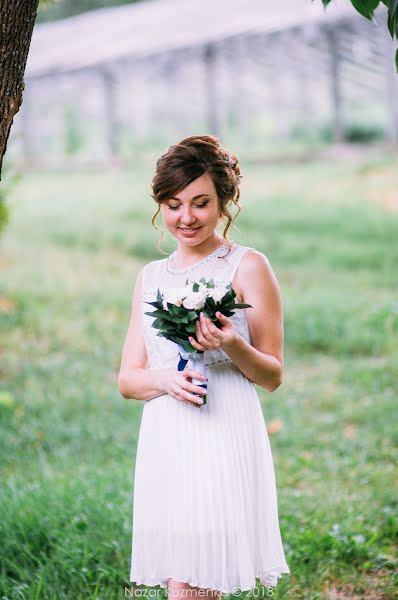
[[205, 501]]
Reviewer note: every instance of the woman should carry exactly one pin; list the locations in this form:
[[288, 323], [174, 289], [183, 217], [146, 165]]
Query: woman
[[205, 514]]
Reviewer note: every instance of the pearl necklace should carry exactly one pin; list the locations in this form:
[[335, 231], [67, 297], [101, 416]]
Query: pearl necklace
[[219, 252]]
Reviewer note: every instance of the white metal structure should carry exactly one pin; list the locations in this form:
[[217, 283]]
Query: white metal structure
[[168, 68]]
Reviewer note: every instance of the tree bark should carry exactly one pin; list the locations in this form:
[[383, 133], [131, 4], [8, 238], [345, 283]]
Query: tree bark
[[17, 18]]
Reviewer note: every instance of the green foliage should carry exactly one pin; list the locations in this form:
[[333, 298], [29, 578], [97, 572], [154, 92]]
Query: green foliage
[[45, 3], [11, 181], [363, 133], [74, 133], [3, 211], [50, 10], [367, 7]]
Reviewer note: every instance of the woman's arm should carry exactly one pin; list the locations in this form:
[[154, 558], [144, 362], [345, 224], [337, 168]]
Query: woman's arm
[[262, 362], [135, 379]]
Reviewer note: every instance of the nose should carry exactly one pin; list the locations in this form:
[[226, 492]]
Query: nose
[[187, 218]]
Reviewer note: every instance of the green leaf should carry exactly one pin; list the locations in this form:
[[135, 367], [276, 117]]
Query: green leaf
[[242, 305], [158, 323], [230, 295], [167, 330], [159, 297], [168, 336], [161, 313], [366, 7], [393, 7], [181, 311], [324, 2], [195, 287], [210, 303], [392, 24], [171, 309], [226, 305], [189, 348], [170, 325], [178, 320], [192, 315], [180, 340]]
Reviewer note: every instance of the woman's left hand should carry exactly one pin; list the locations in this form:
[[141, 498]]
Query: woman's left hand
[[210, 337]]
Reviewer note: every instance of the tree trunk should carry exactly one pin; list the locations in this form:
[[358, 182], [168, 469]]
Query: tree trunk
[[17, 18]]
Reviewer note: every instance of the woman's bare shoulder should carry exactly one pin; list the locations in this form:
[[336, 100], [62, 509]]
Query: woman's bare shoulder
[[254, 270]]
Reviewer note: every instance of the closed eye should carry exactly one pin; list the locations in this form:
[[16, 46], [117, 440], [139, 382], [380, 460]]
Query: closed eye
[[195, 206]]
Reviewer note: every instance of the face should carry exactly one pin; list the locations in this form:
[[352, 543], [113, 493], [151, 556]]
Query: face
[[192, 215]]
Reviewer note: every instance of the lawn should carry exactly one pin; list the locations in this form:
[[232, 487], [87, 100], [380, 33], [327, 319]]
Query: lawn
[[70, 255]]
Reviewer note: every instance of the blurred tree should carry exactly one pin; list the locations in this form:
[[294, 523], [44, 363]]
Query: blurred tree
[[3, 210], [68, 8]]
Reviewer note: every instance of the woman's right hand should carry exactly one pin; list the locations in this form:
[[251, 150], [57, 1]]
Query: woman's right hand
[[177, 384]]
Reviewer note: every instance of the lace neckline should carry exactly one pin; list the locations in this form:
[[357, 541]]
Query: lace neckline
[[219, 252]]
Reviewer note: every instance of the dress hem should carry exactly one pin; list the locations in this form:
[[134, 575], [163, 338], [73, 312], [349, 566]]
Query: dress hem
[[274, 574]]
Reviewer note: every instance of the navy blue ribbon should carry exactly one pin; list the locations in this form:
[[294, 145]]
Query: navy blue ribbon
[[184, 357]]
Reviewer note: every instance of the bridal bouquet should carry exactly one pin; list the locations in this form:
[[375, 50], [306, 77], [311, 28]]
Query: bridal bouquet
[[177, 311]]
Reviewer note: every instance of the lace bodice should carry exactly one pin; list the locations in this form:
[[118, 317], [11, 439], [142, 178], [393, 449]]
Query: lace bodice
[[220, 265]]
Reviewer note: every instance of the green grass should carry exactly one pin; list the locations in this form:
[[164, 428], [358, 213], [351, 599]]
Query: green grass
[[67, 439]]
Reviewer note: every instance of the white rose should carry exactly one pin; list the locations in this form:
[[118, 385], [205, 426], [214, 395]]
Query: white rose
[[192, 282], [174, 296], [218, 292], [195, 300]]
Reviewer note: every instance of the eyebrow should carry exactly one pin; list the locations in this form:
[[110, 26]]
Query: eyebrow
[[194, 198]]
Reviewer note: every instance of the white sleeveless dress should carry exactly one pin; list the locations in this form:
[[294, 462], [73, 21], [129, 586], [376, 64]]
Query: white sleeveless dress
[[205, 501]]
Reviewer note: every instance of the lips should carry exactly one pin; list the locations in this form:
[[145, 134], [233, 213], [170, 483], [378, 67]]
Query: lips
[[189, 233]]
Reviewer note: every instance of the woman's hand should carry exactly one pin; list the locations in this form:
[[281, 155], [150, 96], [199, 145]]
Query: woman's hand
[[177, 384], [210, 337]]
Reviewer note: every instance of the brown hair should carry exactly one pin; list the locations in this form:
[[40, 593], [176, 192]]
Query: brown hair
[[184, 162]]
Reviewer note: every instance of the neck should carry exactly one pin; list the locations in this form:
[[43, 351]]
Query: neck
[[199, 250], [191, 254]]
